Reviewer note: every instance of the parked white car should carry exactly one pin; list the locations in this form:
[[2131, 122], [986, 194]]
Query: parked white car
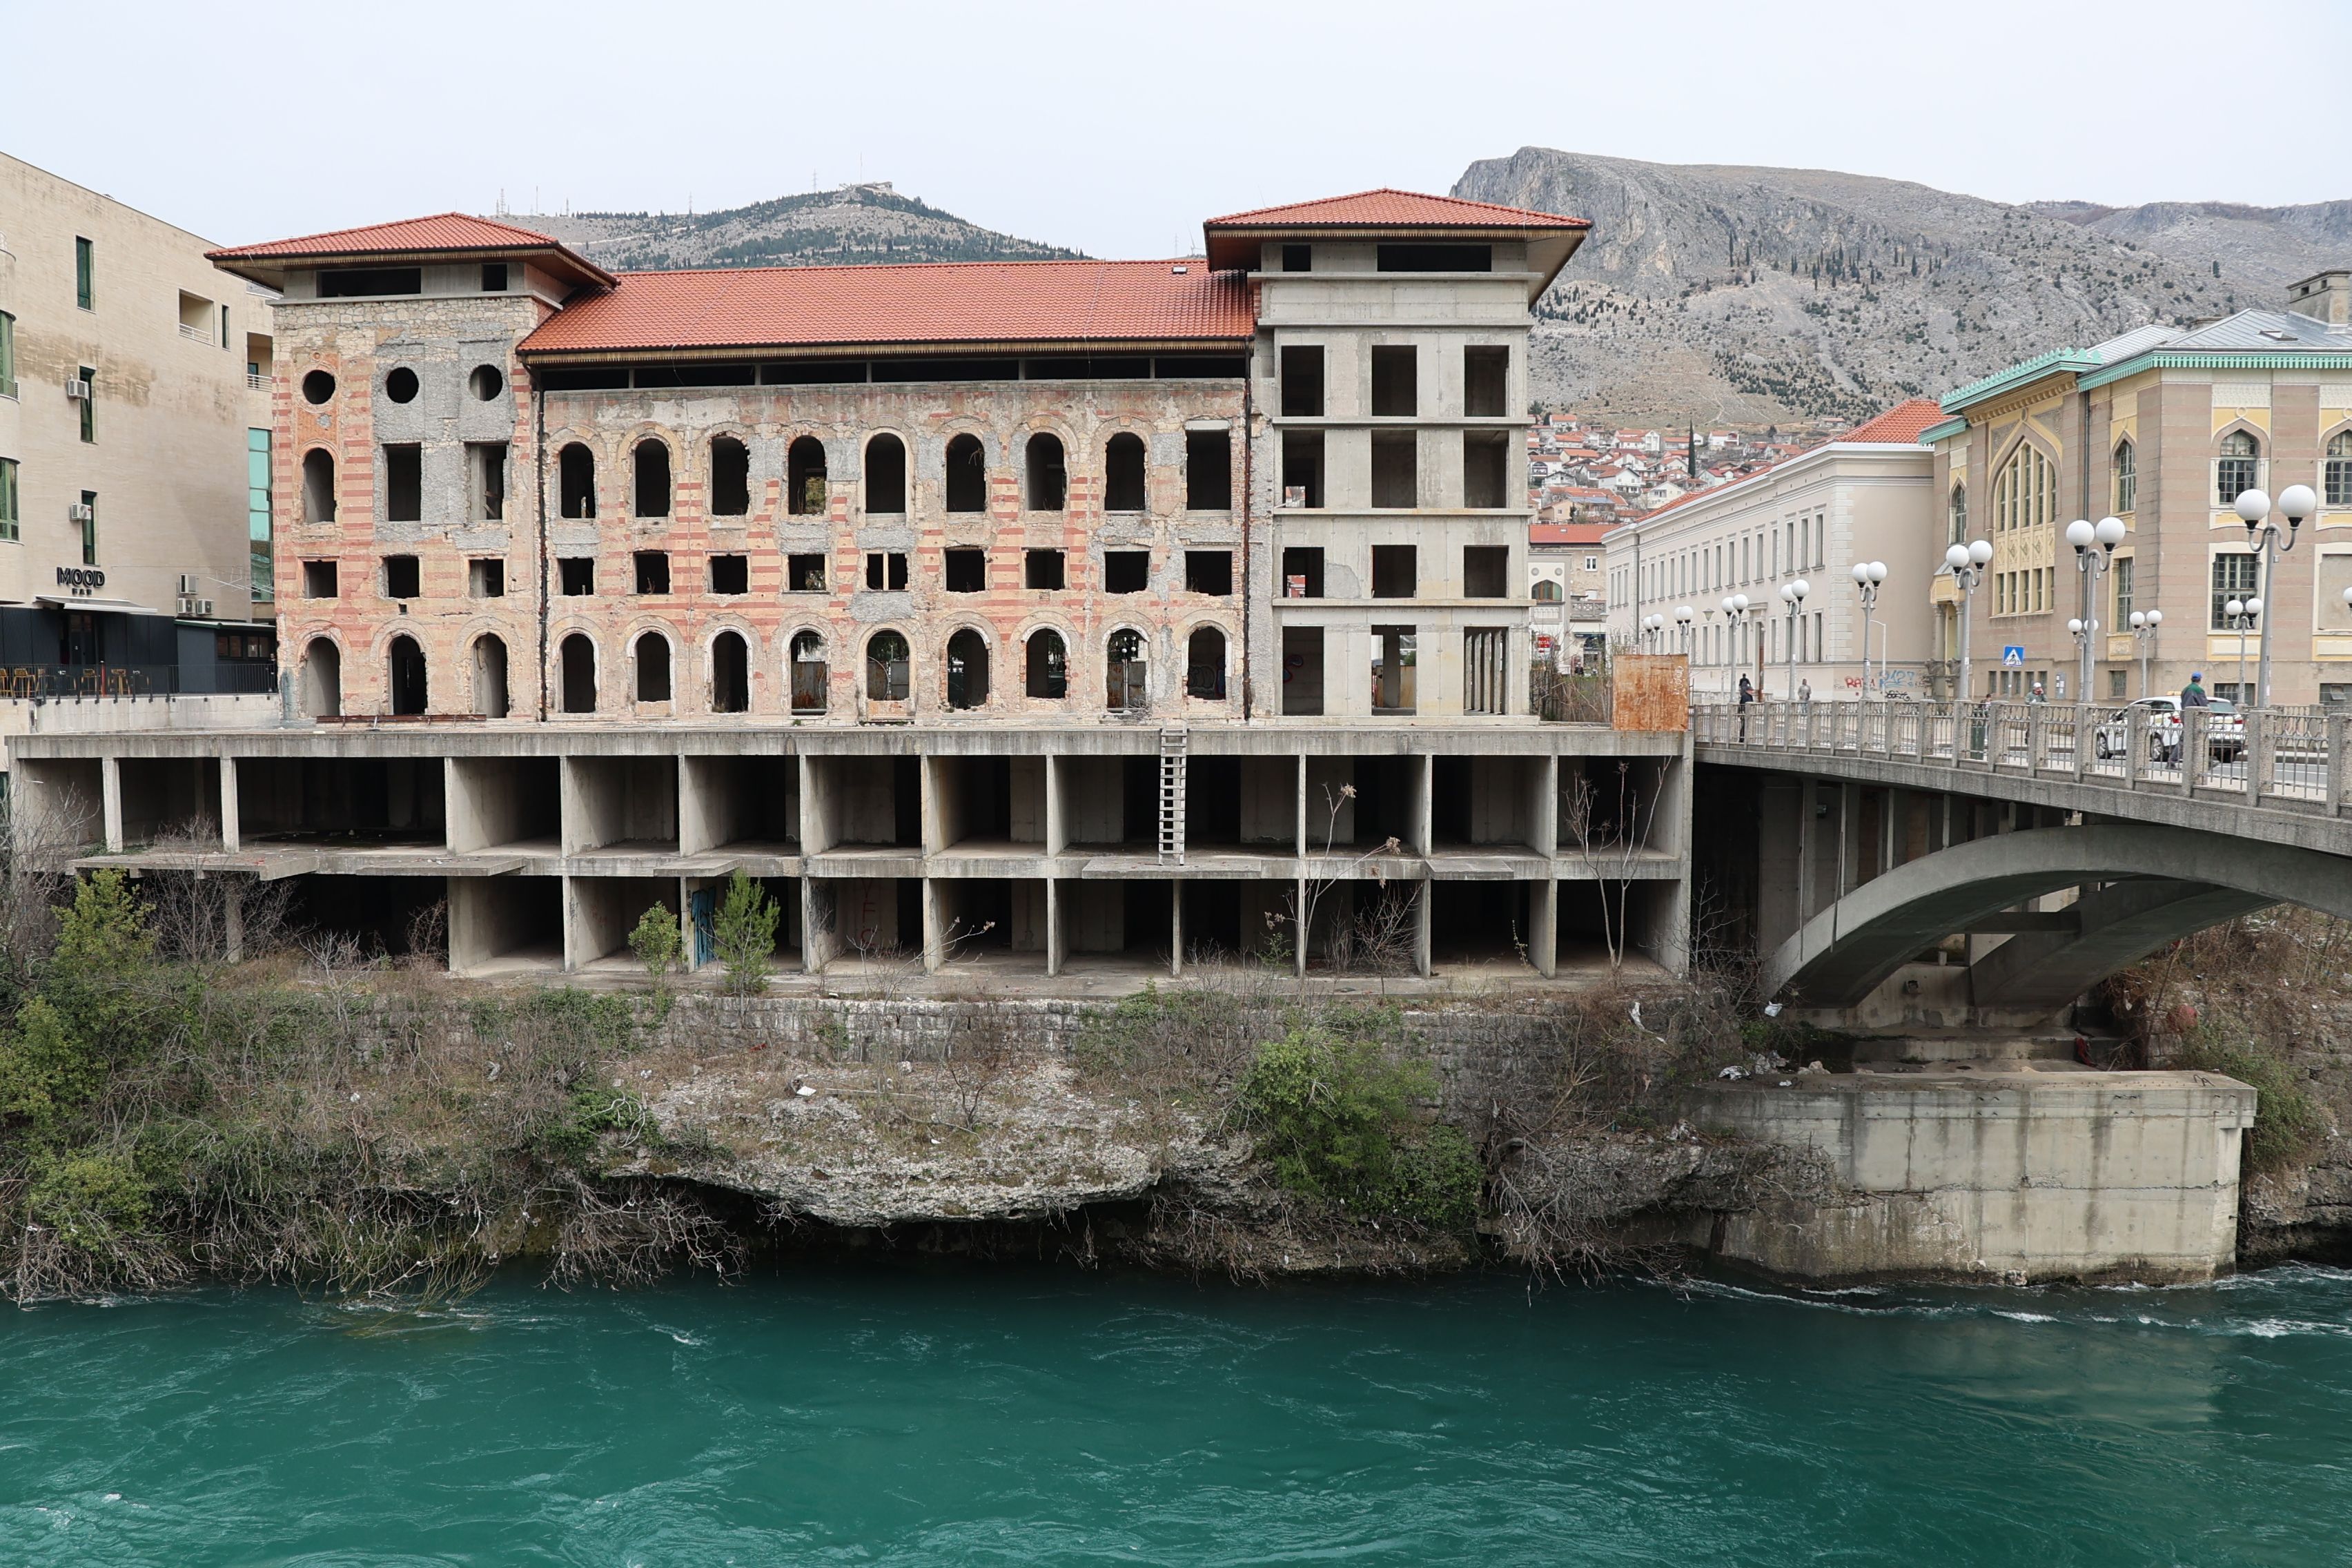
[[2225, 729]]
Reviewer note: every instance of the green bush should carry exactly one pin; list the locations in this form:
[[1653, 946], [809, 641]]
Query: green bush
[[92, 1199], [1334, 1117], [657, 940], [2287, 1120], [102, 978], [44, 1071], [744, 932], [588, 1115]]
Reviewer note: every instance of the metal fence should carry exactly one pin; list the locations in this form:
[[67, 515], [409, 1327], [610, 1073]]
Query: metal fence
[[2297, 758]]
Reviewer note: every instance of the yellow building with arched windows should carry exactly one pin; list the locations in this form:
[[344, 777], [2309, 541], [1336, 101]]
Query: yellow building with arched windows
[[2162, 427]]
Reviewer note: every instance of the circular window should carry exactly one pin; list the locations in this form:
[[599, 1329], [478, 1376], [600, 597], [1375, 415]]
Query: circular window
[[400, 386], [489, 381], [318, 386]]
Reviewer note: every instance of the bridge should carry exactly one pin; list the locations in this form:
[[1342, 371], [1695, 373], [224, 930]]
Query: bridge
[[2051, 843]]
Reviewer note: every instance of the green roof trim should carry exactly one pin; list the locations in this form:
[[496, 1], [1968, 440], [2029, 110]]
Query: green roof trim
[[2040, 365], [2218, 358], [1949, 428]]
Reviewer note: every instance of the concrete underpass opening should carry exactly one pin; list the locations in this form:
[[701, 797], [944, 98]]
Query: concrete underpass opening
[[341, 805], [506, 925], [400, 917], [171, 799], [620, 805], [505, 802]]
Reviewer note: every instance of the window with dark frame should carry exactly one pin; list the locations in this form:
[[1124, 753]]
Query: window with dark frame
[[886, 570], [1126, 571], [400, 577], [730, 574], [966, 571], [805, 574], [1209, 572], [1042, 569]]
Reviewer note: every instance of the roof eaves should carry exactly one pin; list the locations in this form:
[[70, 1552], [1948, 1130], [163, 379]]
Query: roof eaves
[[2054, 362], [2220, 359]]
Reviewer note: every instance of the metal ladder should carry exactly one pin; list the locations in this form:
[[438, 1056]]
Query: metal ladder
[[1174, 743]]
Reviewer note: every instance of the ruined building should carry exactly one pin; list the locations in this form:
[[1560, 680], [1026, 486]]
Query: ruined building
[[1033, 609]]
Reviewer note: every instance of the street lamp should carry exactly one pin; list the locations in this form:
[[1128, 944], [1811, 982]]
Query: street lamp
[[2143, 624], [1735, 615], [2296, 502], [1868, 576], [1651, 624], [1682, 614], [1794, 596], [2084, 633], [2093, 564], [1966, 564], [2242, 614]]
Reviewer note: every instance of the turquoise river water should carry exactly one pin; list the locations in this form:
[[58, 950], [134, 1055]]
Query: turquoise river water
[[943, 1416]]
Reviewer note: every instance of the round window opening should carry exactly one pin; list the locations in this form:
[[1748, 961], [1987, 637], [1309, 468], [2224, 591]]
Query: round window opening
[[400, 386], [318, 386], [489, 381]]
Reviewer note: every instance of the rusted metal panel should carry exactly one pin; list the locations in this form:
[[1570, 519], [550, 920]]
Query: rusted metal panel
[[1652, 691]]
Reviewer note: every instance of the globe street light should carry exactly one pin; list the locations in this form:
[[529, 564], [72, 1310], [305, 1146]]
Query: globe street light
[[1682, 614], [2296, 503], [1868, 576], [2092, 564], [1794, 596], [2143, 624], [2242, 614], [1735, 613], [1966, 564], [1651, 624]]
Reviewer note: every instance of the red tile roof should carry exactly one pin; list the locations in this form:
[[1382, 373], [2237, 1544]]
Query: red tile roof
[[1900, 425], [442, 233], [1569, 532], [977, 302], [1386, 208]]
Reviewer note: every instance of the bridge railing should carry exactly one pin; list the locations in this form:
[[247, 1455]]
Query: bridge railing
[[2297, 758]]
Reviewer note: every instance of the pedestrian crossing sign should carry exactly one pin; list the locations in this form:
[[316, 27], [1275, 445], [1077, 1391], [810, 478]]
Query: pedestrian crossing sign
[[2012, 657]]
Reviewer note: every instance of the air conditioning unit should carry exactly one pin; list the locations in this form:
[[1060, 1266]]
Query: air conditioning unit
[[80, 513], [188, 584], [77, 388], [203, 609]]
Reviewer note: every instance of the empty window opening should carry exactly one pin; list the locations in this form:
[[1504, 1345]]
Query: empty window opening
[[1123, 473], [888, 673], [1436, 258], [1205, 665], [1302, 467], [1486, 572], [1209, 572], [490, 677], [1396, 380], [318, 486], [1298, 259], [1392, 669], [494, 277], [578, 657], [966, 474], [653, 570], [886, 570], [805, 574], [406, 662], [1396, 570], [486, 482], [651, 655], [575, 575], [365, 282], [653, 479], [1486, 671], [809, 673], [403, 484], [1396, 477], [1486, 467], [885, 474], [1049, 478], [1126, 688], [967, 571], [322, 673], [318, 386], [486, 578], [730, 477], [318, 579], [1302, 380], [730, 674], [967, 669], [400, 577], [1302, 671], [486, 381], [1042, 569], [401, 384], [1048, 666], [730, 574], [805, 494], [1486, 381], [1126, 570], [1208, 470], [576, 477], [1302, 571]]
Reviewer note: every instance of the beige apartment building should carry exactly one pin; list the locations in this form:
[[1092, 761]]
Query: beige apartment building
[[134, 450], [1867, 496]]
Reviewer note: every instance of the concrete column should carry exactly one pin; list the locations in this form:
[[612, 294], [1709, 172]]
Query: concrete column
[[110, 791], [232, 837], [1057, 832], [1424, 817], [574, 923], [1054, 946], [816, 809], [695, 833], [1299, 932], [1894, 824], [1808, 804], [572, 831], [2339, 764], [1779, 861], [1849, 872], [1421, 927], [935, 925], [815, 946], [1175, 929], [934, 808], [469, 933], [1543, 810], [1543, 927], [1302, 805]]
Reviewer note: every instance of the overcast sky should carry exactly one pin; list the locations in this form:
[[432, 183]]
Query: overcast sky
[[1116, 127]]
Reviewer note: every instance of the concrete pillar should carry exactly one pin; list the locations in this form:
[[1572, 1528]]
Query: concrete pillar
[[1808, 804], [1302, 805], [469, 934], [1175, 929], [697, 792], [110, 791], [1849, 870], [574, 923], [1057, 832], [1543, 927], [231, 837], [1421, 925], [935, 810], [233, 916], [1299, 932], [1894, 821], [816, 942], [1780, 862], [935, 923], [1054, 947], [1424, 817], [1543, 809]]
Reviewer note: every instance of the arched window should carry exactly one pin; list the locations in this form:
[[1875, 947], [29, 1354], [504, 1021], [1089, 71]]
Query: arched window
[[1048, 476], [1545, 592], [887, 677], [966, 474], [576, 479], [2240, 468], [318, 486], [1125, 684], [1123, 473], [2337, 484], [490, 677], [652, 653], [730, 674], [1049, 666], [652, 458], [406, 663], [322, 678], [2025, 493], [1959, 514], [967, 669], [885, 474], [809, 670], [1205, 665], [730, 477], [579, 661], [2126, 473], [804, 492]]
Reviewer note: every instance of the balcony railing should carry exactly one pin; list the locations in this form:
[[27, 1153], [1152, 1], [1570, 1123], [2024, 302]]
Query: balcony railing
[[257, 383]]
